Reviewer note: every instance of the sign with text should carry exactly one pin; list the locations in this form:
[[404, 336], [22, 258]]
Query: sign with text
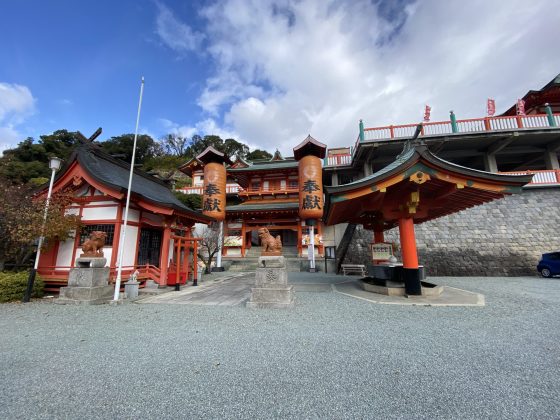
[[233, 241], [381, 251], [491, 107]]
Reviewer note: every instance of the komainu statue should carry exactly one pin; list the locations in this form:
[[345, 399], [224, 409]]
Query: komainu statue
[[93, 247], [269, 244]]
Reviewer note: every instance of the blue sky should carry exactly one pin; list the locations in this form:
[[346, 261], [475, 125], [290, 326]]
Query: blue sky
[[265, 72]]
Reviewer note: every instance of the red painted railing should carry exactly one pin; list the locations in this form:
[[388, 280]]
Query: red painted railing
[[545, 177], [230, 189], [60, 273], [339, 160], [471, 125], [268, 190]]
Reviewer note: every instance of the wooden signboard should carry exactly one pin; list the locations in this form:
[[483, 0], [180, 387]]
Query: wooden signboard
[[381, 251]]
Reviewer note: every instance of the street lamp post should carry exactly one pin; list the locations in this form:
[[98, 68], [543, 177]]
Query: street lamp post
[[54, 165]]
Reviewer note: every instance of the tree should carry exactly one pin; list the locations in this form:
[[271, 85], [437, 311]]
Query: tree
[[31, 160], [174, 144], [235, 148], [258, 154], [192, 201], [121, 146], [208, 245], [21, 220]]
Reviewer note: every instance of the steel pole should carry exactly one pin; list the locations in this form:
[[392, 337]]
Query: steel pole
[[123, 235]]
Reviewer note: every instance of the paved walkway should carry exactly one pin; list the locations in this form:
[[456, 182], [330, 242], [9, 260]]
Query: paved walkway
[[235, 289], [331, 356]]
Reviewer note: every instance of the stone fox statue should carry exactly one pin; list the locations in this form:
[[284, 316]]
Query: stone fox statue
[[93, 247], [268, 242]]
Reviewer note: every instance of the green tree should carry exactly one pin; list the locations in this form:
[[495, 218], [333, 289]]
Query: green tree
[[21, 220], [174, 144], [121, 147], [192, 201], [258, 154], [30, 159]]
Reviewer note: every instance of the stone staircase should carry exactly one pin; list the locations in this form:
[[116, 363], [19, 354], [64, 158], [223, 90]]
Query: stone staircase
[[250, 262]]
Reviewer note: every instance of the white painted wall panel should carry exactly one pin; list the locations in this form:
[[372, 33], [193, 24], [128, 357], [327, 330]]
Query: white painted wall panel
[[99, 213], [133, 215], [129, 256], [107, 253], [103, 203], [64, 256]]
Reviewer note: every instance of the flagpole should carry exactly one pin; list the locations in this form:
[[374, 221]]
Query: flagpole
[[123, 231]]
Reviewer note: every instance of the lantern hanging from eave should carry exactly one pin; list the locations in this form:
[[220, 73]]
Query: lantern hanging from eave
[[310, 188], [309, 154], [214, 193]]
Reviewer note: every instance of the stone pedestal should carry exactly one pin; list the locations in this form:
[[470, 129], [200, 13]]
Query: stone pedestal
[[88, 283], [271, 285], [131, 289]]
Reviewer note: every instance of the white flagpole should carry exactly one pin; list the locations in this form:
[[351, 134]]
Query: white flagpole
[[123, 230]]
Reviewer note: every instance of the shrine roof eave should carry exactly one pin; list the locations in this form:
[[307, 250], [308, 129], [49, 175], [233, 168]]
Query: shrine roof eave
[[212, 155], [551, 87], [111, 177], [448, 187], [191, 166], [310, 146], [408, 158]]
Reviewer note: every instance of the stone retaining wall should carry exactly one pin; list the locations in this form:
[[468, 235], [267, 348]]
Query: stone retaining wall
[[505, 237]]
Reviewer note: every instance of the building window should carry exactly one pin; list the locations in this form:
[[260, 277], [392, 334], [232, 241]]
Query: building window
[[293, 184], [108, 229]]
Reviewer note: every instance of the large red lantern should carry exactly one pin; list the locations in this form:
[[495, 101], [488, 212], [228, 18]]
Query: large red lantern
[[214, 194], [311, 201]]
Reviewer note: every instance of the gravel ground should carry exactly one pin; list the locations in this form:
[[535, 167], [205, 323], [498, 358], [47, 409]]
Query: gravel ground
[[331, 357]]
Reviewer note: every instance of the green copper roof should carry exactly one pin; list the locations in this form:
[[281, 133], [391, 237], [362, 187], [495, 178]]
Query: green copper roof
[[265, 206], [267, 166]]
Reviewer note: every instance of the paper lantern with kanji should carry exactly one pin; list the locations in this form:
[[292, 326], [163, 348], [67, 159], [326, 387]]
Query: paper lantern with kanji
[[310, 188], [214, 194]]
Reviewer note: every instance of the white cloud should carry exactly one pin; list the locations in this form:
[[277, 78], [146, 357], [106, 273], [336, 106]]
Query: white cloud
[[285, 69], [16, 104], [204, 127], [177, 35]]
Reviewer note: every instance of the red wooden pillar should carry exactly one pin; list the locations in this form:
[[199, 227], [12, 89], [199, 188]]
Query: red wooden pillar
[[299, 238], [243, 238], [178, 261], [187, 255], [411, 272], [378, 236], [164, 260], [195, 264]]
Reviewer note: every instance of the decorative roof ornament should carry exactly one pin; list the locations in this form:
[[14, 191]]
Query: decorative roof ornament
[[277, 156], [310, 146]]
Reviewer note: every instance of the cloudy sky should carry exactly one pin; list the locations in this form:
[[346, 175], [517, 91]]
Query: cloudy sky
[[266, 73]]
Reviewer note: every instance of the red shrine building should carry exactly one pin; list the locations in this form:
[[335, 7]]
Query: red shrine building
[[382, 181], [267, 193], [158, 228]]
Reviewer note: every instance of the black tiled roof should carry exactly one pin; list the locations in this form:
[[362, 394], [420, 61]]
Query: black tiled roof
[[115, 174]]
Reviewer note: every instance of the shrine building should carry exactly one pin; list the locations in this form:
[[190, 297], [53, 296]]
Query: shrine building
[[158, 228], [384, 187]]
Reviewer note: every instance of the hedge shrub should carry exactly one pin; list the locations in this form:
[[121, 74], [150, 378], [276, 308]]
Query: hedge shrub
[[13, 285]]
